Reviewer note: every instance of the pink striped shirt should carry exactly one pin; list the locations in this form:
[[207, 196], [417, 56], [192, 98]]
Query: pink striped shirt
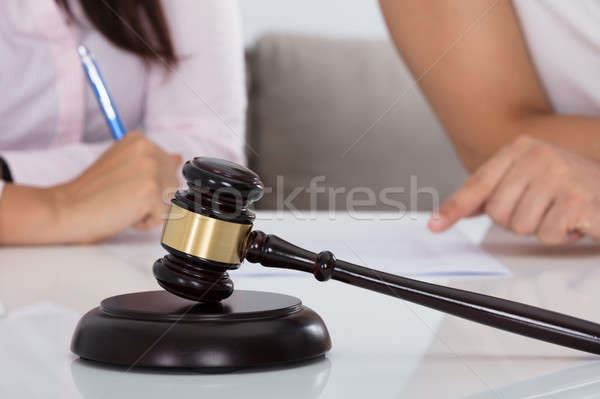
[[51, 128]]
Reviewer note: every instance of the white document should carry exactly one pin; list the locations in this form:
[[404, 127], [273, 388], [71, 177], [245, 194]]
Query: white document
[[402, 246], [395, 245]]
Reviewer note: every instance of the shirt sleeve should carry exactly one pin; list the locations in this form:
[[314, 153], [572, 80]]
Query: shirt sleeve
[[48, 167], [198, 108]]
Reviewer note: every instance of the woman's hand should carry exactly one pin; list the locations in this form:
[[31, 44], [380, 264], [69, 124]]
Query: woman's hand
[[532, 188], [125, 187]]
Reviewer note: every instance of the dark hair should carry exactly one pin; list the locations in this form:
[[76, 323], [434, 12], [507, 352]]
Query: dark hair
[[138, 26]]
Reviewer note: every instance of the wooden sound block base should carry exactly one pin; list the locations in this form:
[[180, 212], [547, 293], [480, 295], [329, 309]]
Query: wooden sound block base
[[159, 329]]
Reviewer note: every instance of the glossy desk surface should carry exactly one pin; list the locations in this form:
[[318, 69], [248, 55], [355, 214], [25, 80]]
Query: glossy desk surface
[[382, 347]]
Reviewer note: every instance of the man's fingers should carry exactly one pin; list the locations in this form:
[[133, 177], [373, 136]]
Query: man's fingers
[[506, 197], [465, 202], [574, 236], [477, 212], [532, 207], [588, 223], [473, 194], [557, 227]]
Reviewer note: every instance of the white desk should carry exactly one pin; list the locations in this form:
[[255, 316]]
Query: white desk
[[382, 347]]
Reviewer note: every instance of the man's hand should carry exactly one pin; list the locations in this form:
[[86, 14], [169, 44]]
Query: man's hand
[[532, 188]]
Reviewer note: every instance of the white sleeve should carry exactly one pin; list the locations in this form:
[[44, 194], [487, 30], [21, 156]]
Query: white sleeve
[[48, 167], [199, 107]]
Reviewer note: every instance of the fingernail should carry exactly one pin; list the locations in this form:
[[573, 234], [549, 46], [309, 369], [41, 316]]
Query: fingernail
[[437, 222], [573, 236], [585, 225]]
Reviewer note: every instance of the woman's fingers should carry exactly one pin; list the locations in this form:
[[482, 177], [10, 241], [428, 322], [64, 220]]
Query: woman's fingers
[[148, 223], [169, 184], [478, 188], [177, 159]]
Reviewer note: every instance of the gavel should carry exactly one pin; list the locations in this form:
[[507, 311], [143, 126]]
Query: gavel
[[208, 232]]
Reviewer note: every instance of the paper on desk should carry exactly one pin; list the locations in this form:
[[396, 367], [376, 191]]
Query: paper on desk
[[402, 246], [399, 246]]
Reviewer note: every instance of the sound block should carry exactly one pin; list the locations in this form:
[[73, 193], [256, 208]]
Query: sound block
[[159, 329]]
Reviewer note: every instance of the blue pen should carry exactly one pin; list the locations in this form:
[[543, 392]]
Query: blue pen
[[102, 94]]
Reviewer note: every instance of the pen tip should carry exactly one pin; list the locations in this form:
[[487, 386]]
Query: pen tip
[[82, 50]]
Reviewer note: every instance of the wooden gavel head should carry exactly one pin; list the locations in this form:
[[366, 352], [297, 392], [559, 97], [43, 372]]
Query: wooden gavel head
[[207, 229]]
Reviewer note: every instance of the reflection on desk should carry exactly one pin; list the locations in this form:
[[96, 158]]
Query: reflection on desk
[[302, 381], [574, 382]]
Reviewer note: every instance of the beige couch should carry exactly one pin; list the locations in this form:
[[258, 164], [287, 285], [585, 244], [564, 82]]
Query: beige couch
[[348, 111]]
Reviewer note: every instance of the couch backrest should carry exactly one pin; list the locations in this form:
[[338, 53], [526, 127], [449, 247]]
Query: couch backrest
[[348, 111]]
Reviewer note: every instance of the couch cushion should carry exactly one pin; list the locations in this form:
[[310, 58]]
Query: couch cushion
[[348, 111]]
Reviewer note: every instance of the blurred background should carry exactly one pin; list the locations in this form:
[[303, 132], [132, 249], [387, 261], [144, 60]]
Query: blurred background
[[333, 107], [335, 18]]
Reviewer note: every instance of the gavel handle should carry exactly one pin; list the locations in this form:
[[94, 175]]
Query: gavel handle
[[272, 251]]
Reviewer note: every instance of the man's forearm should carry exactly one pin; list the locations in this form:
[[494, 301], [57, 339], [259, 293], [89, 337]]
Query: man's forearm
[[580, 134], [473, 64]]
